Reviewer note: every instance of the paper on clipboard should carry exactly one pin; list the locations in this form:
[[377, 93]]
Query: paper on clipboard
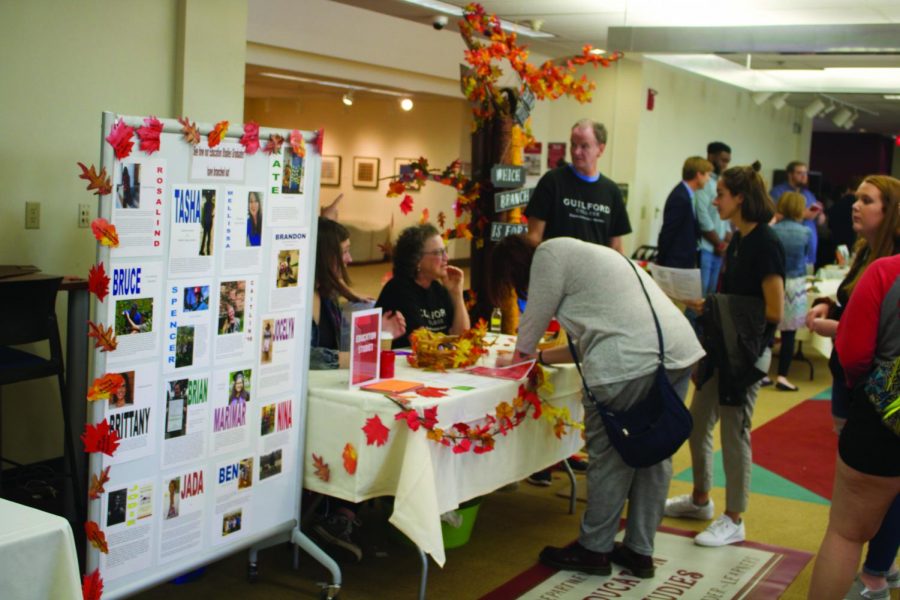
[[679, 284]]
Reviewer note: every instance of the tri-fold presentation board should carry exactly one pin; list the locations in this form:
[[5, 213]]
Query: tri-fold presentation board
[[209, 299]]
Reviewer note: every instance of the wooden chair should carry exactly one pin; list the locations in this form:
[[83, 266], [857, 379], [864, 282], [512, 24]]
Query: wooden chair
[[27, 316]]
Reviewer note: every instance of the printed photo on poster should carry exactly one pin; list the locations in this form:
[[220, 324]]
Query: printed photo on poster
[[270, 464], [130, 413], [232, 302], [192, 240], [181, 530], [186, 420], [277, 353], [123, 395], [133, 310], [288, 268], [235, 322], [127, 510], [284, 203], [134, 316], [292, 174], [288, 251], [187, 340], [233, 498], [243, 231], [139, 206], [231, 409]]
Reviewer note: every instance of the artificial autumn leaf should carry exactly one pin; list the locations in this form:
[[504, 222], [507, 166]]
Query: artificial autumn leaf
[[273, 146], [298, 145], [395, 188], [431, 392], [105, 232], [96, 537], [350, 458], [99, 182], [106, 337], [96, 487], [190, 131], [120, 139], [559, 428], [218, 133], [441, 219], [98, 282], [376, 432], [148, 133], [430, 417], [104, 386], [92, 586], [100, 438], [504, 411], [250, 139], [323, 471], [319, 140], [407, 205], [411, 417], [424, 218]]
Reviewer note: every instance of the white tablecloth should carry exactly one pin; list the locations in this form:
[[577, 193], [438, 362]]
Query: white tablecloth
[[37, 555], [820, 289], [425, 478]]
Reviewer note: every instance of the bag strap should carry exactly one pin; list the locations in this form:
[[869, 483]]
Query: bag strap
[[659, 335], [587, 390]]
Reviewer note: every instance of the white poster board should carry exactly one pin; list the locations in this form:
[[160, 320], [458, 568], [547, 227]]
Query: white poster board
[[211, 285]]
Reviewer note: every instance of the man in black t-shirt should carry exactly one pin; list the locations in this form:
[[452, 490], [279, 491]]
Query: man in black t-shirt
[[576, 200]]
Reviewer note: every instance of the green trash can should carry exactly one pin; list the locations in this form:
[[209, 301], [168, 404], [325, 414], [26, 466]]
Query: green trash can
[[454, 537]]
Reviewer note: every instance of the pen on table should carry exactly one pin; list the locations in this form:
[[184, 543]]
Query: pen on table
[[403, 352]]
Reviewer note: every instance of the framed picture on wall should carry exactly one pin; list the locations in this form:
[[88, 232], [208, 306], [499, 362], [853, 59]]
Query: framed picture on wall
[[331, 170], [402, 166], [365, 172]]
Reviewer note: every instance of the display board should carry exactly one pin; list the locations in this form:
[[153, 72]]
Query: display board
[[209, 298]]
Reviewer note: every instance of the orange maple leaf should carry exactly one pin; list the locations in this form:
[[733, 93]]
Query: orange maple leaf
[[218, 133], [407, 205], [462, 231], [436, 434], [96, 487], [298, 145], [504, 410], [96, 537], [100, 438], [395, 188], [190, 131], [92, 586], [376, 432], [350, 458], [98, 282], [323, 471], [424, 218], [105, 232], [106, 337], [99, 182], [104, 386]]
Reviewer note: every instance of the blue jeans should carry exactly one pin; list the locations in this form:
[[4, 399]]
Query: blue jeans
[[710, 264]]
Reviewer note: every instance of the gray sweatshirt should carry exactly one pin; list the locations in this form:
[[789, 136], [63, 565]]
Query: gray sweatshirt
[[594, 294]]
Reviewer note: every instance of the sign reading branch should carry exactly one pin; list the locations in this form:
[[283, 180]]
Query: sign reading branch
[[513, 199]]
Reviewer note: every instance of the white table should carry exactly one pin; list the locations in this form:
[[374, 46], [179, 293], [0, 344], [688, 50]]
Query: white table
[[821, 344], [427, 479], [37, 555]]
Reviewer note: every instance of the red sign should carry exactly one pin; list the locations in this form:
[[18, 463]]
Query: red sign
[[365, 346], [556, 151]]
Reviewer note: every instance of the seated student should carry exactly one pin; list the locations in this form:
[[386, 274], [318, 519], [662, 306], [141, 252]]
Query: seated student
[[425, 288]]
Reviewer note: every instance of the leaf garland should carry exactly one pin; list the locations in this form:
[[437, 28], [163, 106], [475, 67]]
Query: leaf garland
[[319, 140], [96, 536], [105, 336], [148, 133], [103, 387], [190, 131], [96, 488], [98, 282], [92, 586], [98, 182], [250, 139], [273, 146], [100, 438], [105, 232], [120, 139], [298, 145], [218, 134]]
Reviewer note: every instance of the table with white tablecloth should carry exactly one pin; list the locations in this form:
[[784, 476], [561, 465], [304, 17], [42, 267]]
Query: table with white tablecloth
[[426, 478], [37, 555]]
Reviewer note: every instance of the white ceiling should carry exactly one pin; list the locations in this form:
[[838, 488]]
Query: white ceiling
[[577, 22]]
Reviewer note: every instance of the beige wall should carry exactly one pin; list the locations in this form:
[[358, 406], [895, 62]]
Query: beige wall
[[64, 64]]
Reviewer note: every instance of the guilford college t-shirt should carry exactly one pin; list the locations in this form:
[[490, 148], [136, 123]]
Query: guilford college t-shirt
[[429, 307], [574, 206]]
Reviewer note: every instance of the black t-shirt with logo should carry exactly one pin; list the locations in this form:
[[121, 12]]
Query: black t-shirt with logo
[[571, 207], [429, 307]]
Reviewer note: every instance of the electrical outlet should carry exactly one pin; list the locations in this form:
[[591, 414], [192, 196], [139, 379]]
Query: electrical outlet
[[32, 215], [84, 215]]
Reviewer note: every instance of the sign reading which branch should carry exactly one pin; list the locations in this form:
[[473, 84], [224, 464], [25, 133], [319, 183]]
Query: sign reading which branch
[[507, 176], [512, 199], [502, 230]]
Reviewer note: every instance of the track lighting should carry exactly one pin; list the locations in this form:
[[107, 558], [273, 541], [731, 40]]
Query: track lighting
[[780, 100], [760, 97], [347, 99], [814, 108], [406, 104], [841, 116]]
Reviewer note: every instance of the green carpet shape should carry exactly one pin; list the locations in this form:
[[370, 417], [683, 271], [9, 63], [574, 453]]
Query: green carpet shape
[[762, 480], [823, 395]]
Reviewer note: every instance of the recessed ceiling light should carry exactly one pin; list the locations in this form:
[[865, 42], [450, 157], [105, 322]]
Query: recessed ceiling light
[[348, 99], [406, 104], [598, 51]]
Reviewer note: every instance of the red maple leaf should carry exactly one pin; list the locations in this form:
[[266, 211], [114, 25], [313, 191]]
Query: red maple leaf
[[431, 392], [104, 386], [298, 145], [430, 417], [411, 417], [462, 446], [376, 432], [120, 139], [100, 182], [319, 140], [190, 131], [96, 537], [218, 133], [96, 487], [100, 438], [92, 586], [395, 188], [274, 144], [407, 205], [106, 337], [105, 232], [250, 139], [323, 471], [350, 457], [98, 282], [149, 134]]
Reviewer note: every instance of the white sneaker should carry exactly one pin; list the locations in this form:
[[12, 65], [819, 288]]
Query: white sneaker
[[683, 507], [722, 532]]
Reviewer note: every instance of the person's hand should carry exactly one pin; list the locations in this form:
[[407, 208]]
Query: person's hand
[[331, 211], [824, 327], [394, 323], [454, 280], [695, 304], [819, 311], [504, 359]]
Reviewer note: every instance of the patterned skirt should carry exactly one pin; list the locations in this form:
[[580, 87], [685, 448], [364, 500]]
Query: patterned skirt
[[795, 304]]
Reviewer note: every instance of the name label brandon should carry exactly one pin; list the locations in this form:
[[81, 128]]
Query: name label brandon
[[507, 176]]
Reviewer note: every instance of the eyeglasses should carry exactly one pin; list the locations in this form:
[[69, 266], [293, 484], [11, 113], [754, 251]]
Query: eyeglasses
[[439, 252]]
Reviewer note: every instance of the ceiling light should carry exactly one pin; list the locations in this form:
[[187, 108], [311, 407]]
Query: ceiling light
[[760, 97], [406, 104], [347, 99], [456, 11], [828, 109], [892, 96], [814, 108], [841, 116], [780, 100], [851, 121], [597, 51]]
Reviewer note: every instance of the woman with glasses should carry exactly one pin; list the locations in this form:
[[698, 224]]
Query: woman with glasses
[[425, 288]]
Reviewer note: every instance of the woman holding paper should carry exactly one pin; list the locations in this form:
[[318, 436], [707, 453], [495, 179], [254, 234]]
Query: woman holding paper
[[617, 343]]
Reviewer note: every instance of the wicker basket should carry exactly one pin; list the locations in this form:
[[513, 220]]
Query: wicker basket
[[439, 351]]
